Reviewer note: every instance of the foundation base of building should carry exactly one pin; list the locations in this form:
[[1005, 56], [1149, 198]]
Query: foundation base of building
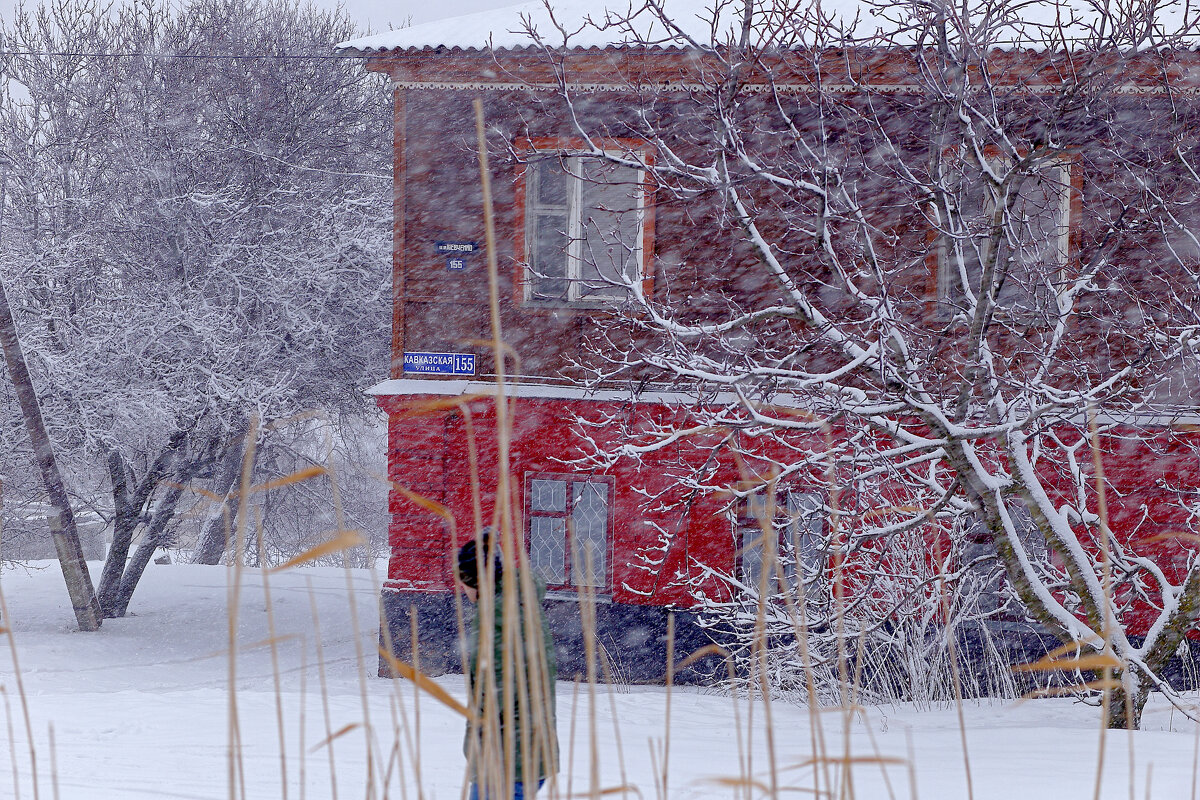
[[631, 641]]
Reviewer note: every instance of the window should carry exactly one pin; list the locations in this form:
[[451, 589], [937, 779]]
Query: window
[[1034, 244], [569, 524], [985, 581], [799, 523], [584, 222], [1179, 386]]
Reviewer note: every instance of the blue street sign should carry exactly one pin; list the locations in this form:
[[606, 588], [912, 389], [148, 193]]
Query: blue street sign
[[440, 363], [455, 263], [456, 247]]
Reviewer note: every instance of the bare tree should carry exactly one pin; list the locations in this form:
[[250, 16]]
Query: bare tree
[[196, 231], [938, 239], [62, 517]]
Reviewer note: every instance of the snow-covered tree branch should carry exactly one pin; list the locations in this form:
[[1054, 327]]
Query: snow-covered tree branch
[[196, 230], [934, 239]]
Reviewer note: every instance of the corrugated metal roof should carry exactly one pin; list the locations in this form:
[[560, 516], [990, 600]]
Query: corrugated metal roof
[[583, 25], [575, 25]]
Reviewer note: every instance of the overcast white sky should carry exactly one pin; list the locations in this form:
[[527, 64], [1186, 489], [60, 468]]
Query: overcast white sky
[[382, 14]]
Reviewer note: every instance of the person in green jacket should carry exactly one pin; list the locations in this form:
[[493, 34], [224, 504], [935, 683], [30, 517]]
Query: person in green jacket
[[511, 739]]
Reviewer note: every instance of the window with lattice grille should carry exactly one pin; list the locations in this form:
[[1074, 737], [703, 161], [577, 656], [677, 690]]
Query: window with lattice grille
[[794, 530], [570, 520]]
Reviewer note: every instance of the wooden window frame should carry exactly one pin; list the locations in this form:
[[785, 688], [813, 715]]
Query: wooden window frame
[[605, 590], [576, 147]]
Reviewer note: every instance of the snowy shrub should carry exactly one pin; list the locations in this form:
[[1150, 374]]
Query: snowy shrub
[[900, 640]]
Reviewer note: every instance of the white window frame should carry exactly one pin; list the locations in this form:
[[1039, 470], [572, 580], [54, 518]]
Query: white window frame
[[1058, 174], [576, 231]]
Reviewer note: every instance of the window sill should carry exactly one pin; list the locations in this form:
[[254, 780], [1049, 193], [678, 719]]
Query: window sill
[[566, 594], [573, 305]]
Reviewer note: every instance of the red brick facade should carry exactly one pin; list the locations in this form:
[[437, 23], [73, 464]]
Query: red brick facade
[[440, 427]]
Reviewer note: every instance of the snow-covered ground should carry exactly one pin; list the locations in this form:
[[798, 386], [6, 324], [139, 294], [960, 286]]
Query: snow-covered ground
[[143, 708]]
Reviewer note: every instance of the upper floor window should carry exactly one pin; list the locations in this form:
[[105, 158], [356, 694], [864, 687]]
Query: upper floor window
[[1033, 245], [795, 529], [570, 524], [584, 228]]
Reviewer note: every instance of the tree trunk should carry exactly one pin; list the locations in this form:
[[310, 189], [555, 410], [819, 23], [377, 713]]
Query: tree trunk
[[215, 540], [145, 550], [1125, 711], [124, 521], [62, 519], [128, 511]]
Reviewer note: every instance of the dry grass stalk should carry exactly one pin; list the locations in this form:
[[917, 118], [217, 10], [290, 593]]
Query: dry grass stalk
[[773, 573], [342, 541], [1195, 761], [275, 671], [12, 647], [416, 666], [571, 732], [427, 684], [587, 612], [912, 764], [359, 652], [236, 767], [666, 749], [845, 760], [523, 659], [956, 677], [53, 762], [301, 718], [319, 645], [339, 733], [621, 789], [393, 761], [611, 684], [12, 743], [1106, 578]]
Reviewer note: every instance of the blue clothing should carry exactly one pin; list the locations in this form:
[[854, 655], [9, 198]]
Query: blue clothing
[[518, 790]]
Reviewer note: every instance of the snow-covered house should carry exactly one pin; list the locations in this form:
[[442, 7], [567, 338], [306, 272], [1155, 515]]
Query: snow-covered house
[[440, 328], [568, 227]]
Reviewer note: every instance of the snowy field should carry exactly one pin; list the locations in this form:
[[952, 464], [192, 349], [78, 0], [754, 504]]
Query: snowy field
[[143, 708]]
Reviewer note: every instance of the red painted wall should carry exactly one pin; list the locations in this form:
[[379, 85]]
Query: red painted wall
[[430, 455], [431, 439]]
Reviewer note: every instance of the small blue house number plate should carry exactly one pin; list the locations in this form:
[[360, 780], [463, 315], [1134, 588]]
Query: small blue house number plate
[[456, 253], [440, 363]]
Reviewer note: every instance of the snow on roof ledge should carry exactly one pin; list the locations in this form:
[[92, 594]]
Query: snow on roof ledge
[[508, 28], [408, 387], [663, 395], [402, 387], [582, 25], [405, 387]]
